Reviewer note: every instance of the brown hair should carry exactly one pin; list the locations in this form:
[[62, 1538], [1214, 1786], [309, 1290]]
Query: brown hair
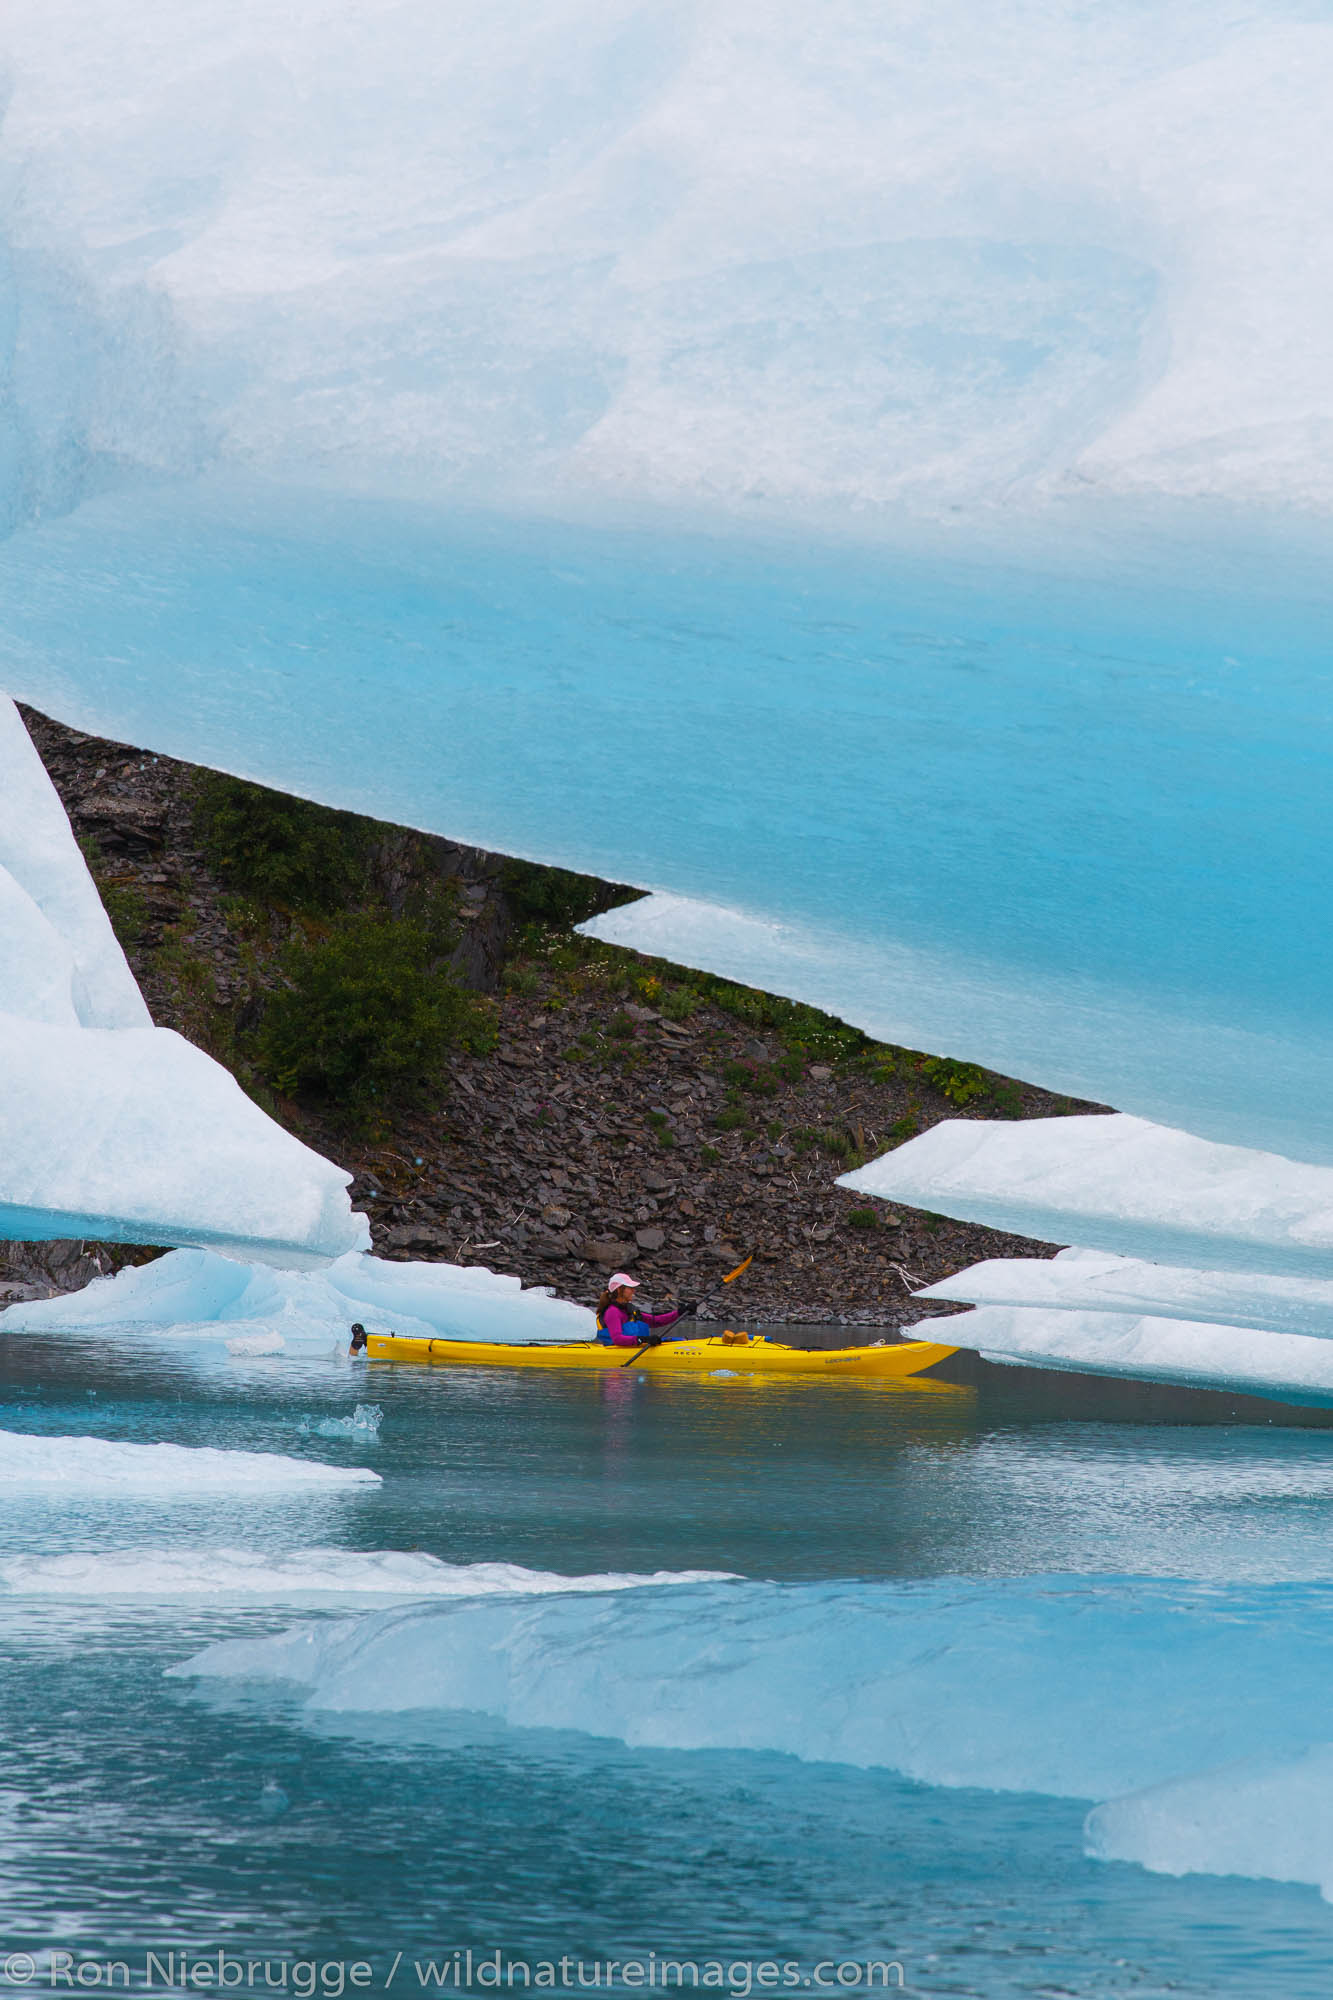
[[610, 1299]]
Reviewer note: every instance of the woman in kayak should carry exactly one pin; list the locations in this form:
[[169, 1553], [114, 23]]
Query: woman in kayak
[[622, 1324]]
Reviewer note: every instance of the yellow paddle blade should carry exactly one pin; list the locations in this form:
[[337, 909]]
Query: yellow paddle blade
[[740, 1270]]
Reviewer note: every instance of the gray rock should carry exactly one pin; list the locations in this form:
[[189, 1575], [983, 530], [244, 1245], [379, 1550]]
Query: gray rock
[[608, 1254], [650, 1239]]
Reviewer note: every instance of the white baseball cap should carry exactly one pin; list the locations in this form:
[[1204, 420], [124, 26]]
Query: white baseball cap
[[619, 1278]]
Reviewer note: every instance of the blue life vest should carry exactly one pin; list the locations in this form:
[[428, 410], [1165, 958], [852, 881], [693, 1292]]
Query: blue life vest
[[631, 1313]]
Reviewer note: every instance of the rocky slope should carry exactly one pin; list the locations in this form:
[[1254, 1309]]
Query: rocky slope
[[628, 1112]]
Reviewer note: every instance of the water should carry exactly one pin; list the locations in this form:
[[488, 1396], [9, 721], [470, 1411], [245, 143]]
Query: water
[[139, 1813]]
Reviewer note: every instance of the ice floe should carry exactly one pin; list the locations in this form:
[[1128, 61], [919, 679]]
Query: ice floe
[[1122, 1185], [173, 1571], [1089, 1281], [1192, 1713], [1270, 1817], [1198, 1353], [197, 1293], [110, 1127], [35, 1463], [1083, 1686]]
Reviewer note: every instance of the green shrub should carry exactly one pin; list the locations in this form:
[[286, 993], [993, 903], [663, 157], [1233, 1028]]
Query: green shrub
[[862, 1218], [665, 1136], [280, 849], [834, 1139], [755, 1077], [709, 1155], [730, 1118], [365, 1012], [122, 898], [960, 1082], [557, 898], [678, 1003]]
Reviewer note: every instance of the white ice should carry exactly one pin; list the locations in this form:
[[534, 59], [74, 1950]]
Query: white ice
[[57, 1465], [1088, 1687], [196, 1294], [1270, 1817], [592, 248], [1195, 1713], [1087, 1281], [110, 1127], [251, 1574], [62, 964], [1200, 1354], [1118, 1184]]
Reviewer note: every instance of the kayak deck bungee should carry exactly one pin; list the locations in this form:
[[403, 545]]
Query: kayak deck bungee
[[742, 1354]]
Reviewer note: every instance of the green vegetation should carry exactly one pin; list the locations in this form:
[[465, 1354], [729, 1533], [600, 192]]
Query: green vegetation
[[732, 1117], [833, 1139], [862, 1218], [349, 998], [960, 1082], [666, 1138], [556, 898], [759, 1078], [282, 850], [122, 900], [364, 1012]]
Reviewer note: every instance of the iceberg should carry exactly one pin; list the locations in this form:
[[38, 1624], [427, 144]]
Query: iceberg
[[1192, 1714], [1118, 1184], [397, 401], [257, 1309], [58, 1465], [1201, 1354], [1085, 1281], [110, 1127], [1084, 1687], [1270, 1817], [255, 1575]]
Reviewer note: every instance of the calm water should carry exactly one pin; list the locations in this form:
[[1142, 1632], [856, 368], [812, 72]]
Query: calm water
[[140, 1813]]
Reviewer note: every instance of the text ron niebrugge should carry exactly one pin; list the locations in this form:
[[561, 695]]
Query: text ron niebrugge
[[313, 1978]]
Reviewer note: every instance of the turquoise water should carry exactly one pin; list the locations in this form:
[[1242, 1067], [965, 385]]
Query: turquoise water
[[134, 1813]]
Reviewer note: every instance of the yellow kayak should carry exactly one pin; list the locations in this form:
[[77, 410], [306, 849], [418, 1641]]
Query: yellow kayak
[[741, 1353]]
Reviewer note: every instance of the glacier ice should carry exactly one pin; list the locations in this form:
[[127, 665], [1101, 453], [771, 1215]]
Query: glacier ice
[[63, 964], [1087, 1281], [1241, 1299], [199, 1294], [58, 1465], [1118, 1184], [173, 1572], [398, 401], [1194, 1714], [1087, 1687], [1270, 1817], [110, 1127], [1203, 1354]]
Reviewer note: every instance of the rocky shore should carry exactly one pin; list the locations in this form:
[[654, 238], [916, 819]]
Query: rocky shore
[[626, 1113]]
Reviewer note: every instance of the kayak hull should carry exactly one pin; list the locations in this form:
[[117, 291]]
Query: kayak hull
[[751, 1355]]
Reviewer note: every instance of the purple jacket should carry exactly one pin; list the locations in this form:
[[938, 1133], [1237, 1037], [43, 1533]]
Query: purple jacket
[[616, 1324]]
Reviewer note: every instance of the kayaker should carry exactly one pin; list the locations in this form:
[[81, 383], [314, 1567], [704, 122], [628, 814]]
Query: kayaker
[[620, 1321]]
